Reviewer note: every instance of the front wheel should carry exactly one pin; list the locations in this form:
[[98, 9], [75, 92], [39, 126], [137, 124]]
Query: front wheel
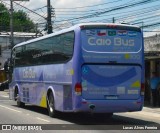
[[51, 106]]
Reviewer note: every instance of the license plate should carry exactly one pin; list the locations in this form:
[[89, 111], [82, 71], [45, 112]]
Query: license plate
[[111, 97]]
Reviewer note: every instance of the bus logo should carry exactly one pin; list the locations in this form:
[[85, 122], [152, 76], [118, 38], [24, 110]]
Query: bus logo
[[99, 41], [29, 73], [85, 70]]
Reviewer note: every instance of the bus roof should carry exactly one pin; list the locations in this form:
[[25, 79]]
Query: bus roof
[[73, 28]]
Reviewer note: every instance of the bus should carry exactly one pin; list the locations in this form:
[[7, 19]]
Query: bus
[[89, 67]]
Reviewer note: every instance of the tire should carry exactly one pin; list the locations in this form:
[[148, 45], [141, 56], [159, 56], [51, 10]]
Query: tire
[[19, 103], [51, 106]]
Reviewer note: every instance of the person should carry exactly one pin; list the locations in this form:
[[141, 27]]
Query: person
[[147, 89], [154, 83], [6, 65]]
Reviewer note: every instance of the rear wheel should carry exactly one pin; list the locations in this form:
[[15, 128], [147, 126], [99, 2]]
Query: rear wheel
[[51, 106]]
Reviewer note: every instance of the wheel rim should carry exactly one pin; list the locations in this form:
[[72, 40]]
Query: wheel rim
[[51, 104], [18, 98], [50, 108]]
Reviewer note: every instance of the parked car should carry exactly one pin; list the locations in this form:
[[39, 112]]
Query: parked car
[[4, 85]]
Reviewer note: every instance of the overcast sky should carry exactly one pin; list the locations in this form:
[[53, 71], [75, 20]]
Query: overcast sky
[[32, 4], [83, 8]]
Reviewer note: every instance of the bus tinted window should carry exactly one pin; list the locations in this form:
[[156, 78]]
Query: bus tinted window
[[18, 56], [39, 51], [111, 40], [51, 50]]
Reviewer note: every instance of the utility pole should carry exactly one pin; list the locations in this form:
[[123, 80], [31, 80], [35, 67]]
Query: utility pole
[[49, 24], [36, 29], [11, 24], [113, 20]]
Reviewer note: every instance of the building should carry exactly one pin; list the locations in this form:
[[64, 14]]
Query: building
[[152, 54], [152, 62], [5, 43]]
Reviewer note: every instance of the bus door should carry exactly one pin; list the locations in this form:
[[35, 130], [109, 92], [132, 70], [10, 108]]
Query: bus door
[[112, 67]]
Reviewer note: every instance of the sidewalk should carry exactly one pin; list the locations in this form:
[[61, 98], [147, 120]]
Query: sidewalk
[[148, 105], [6, 90]]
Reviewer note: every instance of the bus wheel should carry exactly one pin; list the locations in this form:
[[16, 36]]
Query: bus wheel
[[19, 103], [51, 106]]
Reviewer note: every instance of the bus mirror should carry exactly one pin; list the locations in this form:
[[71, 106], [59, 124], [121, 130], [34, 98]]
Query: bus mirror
[[6, 66]]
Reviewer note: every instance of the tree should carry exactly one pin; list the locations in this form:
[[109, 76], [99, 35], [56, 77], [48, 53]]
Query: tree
[[21, 21], [4, 18]]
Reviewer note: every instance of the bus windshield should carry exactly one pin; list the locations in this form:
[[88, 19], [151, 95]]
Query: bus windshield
[[111, 40]]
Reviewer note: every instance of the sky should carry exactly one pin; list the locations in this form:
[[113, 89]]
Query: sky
[[70, 12]]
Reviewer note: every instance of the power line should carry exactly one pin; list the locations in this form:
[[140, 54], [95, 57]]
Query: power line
[[39, 8], [86, 11], [136, 12], [30, 10], [92, 5], [111, 10]]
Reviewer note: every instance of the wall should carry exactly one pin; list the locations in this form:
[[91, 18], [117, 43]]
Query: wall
[[152, 43], [5, 42]]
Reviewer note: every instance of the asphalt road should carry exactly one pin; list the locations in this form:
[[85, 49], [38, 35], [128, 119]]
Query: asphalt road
[[11, 114]]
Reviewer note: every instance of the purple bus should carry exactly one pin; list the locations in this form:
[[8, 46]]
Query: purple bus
[[92, 67]]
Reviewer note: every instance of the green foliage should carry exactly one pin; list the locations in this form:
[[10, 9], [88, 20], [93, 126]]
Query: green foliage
[[21, 21], [4, 18]]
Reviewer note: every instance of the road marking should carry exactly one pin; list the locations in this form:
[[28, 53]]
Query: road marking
[[4, 96], [42, 119], [10, 109]]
